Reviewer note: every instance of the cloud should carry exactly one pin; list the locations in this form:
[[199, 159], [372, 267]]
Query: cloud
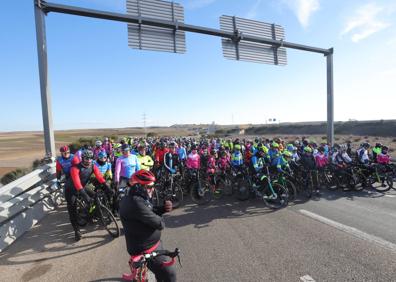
[[303, 9], [365, 22], [197, 4], [252, 13]]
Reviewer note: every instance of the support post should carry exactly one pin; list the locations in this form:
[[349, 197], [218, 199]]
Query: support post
[[330, 98], [49, 139]]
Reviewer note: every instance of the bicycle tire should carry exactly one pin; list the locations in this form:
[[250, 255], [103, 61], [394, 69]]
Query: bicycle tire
[[242, 191], [177, 196], [281, 201], [292, 190], [379, 188], [106, 218], [361, 180], [206, 196], [155, 199]]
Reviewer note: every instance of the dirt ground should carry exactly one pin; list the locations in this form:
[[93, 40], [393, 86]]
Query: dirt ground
[[20, 149]]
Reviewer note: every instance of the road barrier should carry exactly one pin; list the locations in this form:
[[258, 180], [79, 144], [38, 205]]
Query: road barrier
[[26, 201]]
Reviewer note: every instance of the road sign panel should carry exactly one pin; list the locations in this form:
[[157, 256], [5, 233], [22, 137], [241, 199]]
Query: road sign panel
[[153, 38], [251, 51]]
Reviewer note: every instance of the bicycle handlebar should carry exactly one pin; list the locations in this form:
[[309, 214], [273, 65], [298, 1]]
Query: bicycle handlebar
[[150, 256]]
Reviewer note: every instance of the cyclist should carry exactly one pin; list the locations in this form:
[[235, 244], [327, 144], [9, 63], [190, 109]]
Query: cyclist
[[64, 163], [171, 159], [376, 151], [383, 158], [259, 160], [142, 223], [211, 166], [309, 165], [341, 160], [193, 159], [145, 161], [98, 148], [160, 153], [273, 152], [223, 162], [125, 166], [237, 157], [320, 159], [108, 146], [362, 154], [80, 175], [104, 166]]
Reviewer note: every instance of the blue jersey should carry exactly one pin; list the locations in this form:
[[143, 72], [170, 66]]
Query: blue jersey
[[66, 163], [236, 159], [103, 168], [182, 153]]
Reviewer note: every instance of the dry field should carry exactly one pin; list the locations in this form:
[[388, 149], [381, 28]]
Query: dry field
[[20, 149]]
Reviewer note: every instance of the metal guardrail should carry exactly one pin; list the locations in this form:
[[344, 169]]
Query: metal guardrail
[[26, 201]]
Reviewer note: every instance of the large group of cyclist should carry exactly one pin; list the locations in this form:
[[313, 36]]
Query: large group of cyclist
[[274, 170]]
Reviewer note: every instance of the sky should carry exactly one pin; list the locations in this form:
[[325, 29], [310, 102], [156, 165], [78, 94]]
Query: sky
[[97, 81]]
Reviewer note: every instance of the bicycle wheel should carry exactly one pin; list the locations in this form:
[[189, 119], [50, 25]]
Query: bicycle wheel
[[242, 191], [200, 194], [227, 186], [177, 196], [389, 181], [155, 199], [279, 199], [292, 190], [108, 221], [361, 181], [307, 188], [381, 186]]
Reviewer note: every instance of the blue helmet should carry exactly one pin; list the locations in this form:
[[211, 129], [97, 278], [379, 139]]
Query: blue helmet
[[102, 154]]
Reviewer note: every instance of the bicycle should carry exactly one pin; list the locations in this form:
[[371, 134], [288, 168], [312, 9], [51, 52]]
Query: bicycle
[[284, 179], [381, 174], [170, 189], [200, 191], [97, 212], [138, 264], [221, 184]]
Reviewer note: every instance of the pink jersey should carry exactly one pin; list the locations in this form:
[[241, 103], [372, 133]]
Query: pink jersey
[[321, 160], [383, 159], [193, 161], [224, 163], [211, 165]]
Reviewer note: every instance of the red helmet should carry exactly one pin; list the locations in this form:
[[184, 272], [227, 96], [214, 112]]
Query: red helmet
[[142, 177], [64, 149]]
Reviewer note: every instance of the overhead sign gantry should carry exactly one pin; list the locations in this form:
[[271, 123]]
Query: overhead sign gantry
[[159, 26]]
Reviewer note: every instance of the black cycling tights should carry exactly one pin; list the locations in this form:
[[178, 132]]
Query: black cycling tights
[[162, 274]]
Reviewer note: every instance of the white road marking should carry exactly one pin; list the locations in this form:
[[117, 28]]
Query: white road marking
[[390, 196], [307, 278], [351, 230]]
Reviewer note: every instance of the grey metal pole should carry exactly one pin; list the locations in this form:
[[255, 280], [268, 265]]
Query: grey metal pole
[[330, 98], [44, 81]]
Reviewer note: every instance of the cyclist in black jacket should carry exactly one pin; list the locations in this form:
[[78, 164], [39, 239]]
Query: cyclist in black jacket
[[143, 223]]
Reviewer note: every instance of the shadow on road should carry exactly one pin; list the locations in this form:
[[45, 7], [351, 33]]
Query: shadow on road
[[201, 216], [50, 239]]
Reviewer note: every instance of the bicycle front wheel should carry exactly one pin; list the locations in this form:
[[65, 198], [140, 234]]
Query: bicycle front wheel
[[200, 194], [177, 196], [108, 221], [278, 199]]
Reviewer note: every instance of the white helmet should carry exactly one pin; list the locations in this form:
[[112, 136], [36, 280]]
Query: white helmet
[[98, 143]]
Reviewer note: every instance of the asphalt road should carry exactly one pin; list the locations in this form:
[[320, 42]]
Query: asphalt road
[[343, 236]]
